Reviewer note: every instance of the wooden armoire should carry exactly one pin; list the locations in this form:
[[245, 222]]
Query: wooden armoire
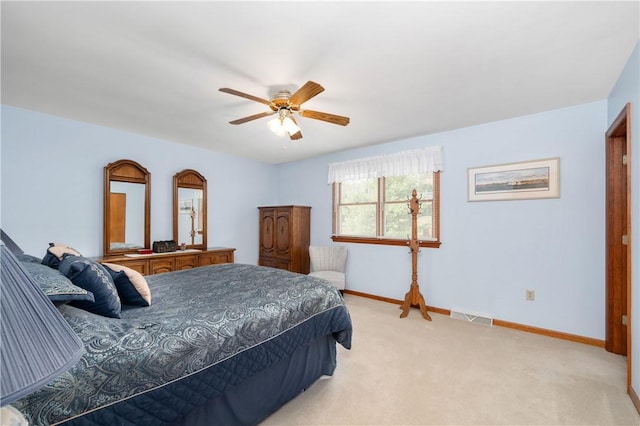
[[285, 237]]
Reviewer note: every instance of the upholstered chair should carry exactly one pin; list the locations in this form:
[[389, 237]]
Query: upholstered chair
[[329, 262]]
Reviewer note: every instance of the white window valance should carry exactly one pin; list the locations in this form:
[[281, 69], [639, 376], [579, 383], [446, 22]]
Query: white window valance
[[419, 161]]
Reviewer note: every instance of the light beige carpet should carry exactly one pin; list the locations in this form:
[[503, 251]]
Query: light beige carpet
[[450, 372]]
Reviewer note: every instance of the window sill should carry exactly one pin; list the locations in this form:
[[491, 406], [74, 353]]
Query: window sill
[[382, 241]]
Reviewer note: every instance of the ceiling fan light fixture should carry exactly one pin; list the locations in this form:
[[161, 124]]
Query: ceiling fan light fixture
[[289, 126], [276, 127], [283, 124]]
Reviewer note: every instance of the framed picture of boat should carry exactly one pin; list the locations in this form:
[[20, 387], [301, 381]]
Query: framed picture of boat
[[515, 181]]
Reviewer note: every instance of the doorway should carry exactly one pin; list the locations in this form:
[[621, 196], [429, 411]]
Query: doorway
[[618, 241], [118, 217]]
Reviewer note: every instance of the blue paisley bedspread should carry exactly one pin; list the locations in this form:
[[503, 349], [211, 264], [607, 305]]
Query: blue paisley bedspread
[[245, 317]]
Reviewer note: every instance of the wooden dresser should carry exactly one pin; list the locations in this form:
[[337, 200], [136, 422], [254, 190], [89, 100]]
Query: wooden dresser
[[284, 237], [157, 263]]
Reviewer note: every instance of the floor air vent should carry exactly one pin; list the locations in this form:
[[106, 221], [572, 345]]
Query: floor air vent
[[479, 319]]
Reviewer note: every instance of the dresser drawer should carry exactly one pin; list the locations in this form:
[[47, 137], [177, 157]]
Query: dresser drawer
[[214, 258], [141, 266], [186, 262], [162, 265]]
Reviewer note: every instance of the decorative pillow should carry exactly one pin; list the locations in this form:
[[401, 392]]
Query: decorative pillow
[[131, 285], [23, 257], [56, 286], [93, 277], [55, 252]]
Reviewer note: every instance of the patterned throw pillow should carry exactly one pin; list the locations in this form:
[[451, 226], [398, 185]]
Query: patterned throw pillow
[[58, 288], [55, 252], [132, 287], [93, 277]]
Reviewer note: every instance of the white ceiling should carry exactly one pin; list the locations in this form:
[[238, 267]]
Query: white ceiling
[[397, 69]]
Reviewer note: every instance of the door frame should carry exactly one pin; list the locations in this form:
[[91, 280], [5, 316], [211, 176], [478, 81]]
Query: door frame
[[618, 140]]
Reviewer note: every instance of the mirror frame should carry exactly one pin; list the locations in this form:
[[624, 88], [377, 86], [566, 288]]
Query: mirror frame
[[191, 179], [131, 172]]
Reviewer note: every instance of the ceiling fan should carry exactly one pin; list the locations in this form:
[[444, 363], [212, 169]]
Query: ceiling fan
[[285, 104]]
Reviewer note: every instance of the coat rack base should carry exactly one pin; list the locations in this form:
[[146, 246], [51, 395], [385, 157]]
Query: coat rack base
[[414, 298]]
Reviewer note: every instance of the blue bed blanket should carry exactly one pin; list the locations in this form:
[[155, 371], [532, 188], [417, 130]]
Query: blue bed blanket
[[242, 317]]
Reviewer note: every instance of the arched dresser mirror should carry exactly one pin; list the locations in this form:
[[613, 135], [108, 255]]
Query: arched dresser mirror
[[127, 217], [190, 209]]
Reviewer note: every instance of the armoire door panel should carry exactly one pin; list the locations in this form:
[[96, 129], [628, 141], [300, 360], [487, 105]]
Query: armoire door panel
[[266, 234], [284, 237]]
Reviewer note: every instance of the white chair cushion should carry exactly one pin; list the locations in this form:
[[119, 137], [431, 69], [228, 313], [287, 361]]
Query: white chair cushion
[[328, 258], [336, 278]]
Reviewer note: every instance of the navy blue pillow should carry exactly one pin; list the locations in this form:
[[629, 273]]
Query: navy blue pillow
[[55, 253], [58, 288], [93, 277]]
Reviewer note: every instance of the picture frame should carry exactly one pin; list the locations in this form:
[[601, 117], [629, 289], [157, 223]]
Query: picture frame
[[515, 181], [185, 206]]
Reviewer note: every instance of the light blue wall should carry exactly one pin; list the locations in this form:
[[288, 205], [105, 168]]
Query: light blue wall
[[627, 89], [52, 184], [492, 252]]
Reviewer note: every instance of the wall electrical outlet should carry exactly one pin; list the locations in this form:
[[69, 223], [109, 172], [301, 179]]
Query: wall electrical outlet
[[531, 295]]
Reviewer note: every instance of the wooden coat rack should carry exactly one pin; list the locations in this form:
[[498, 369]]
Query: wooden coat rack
[[413, 296]]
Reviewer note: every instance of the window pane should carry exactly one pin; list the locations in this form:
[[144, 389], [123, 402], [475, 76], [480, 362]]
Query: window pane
[[357, 220], [364, 191], [398, 188], [425, 221], [397, 221]]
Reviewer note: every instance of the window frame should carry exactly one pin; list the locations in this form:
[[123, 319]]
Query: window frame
[[380, 218]]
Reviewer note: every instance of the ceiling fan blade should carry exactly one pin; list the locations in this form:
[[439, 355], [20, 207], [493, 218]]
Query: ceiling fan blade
[[331, 118], [244, 95], [252, 117], [306, 92]]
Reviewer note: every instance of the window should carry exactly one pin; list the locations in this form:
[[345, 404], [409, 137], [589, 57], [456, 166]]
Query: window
[[371, 196], [375, 210]]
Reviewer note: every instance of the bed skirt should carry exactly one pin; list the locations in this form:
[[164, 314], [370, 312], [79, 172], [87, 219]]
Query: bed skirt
[[254, 400]]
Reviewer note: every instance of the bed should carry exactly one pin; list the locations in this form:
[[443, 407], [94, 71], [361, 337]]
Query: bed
[[219, 345]]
